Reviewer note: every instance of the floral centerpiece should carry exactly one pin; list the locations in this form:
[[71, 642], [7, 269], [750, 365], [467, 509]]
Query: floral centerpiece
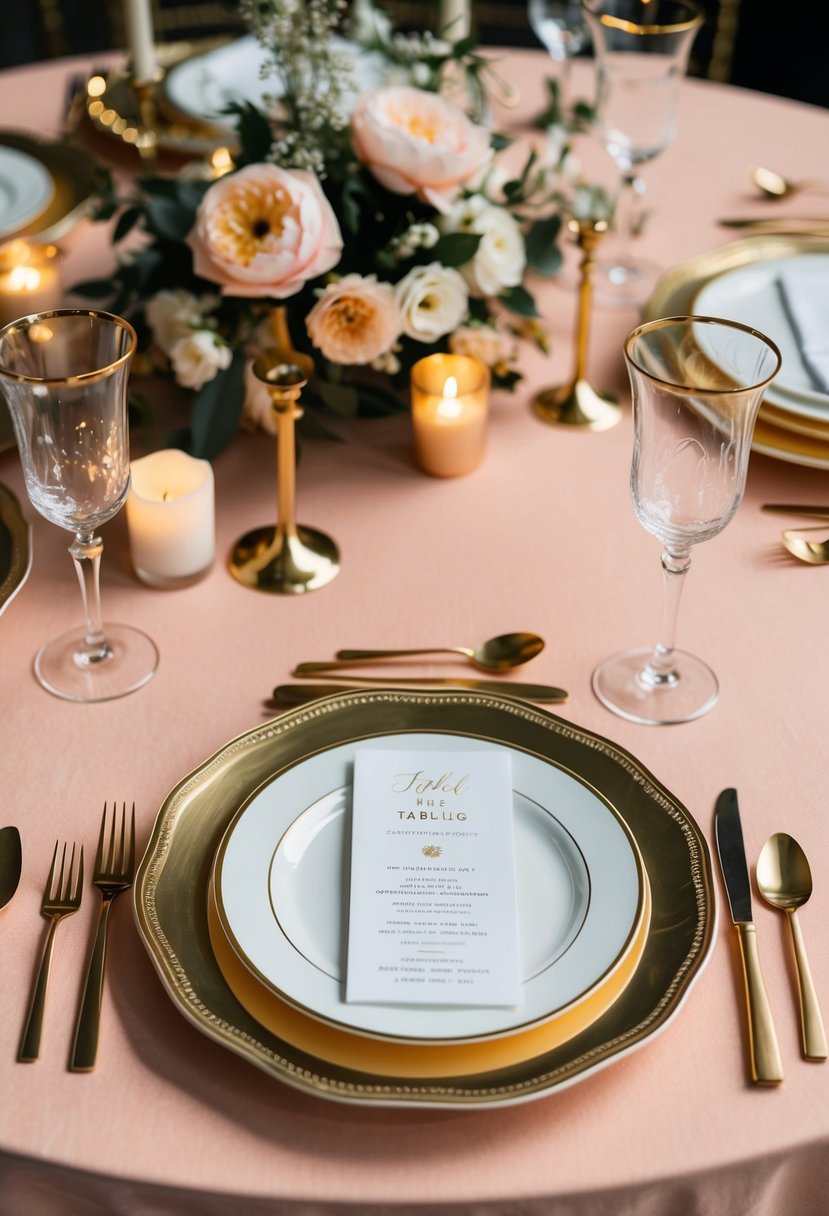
[[381, 222]]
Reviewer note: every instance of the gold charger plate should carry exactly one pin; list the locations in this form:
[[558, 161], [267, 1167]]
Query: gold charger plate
[[76, 178], [674, 294], [170, 902], [15, 546]]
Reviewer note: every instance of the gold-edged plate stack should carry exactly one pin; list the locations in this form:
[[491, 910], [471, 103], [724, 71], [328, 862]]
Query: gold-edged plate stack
[[789, 427], [665, 945]]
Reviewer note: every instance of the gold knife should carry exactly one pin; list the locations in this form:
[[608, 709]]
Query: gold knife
[[297, 694], [794, 225], [790, 508]]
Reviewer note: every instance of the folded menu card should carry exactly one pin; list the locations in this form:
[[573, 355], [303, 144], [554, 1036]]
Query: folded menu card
[[432, 913]]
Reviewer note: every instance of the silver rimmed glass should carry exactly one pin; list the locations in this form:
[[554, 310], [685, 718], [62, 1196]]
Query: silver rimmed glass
[[64, 376], [641, 49], [697, 384]]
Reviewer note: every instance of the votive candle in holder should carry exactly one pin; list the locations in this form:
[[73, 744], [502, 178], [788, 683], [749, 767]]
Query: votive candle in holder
[[449, 413], [29, 280], [171, 518]]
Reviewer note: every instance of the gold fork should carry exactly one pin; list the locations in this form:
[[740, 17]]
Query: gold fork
[[60, 898], [113, 873]]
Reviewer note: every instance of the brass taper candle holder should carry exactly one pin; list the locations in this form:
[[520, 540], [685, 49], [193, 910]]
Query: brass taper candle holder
[[577, 403], [286, 558]]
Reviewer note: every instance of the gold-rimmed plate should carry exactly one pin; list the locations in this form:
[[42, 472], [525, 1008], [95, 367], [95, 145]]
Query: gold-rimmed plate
[[171, 906], [778, 432], [75, 176]]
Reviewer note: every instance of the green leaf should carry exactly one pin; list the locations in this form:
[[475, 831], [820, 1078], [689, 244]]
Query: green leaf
[[498, 142], [169, 219], [126, 222], [543, 254], [519, 301], [217, 409], [339, 398], [255, 135], [455, 248], [311, 426], [94, 289]]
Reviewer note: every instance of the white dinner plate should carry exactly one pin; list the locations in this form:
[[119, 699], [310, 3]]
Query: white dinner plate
[[281, 880], [26, 189], [203, 85], [751, 294]]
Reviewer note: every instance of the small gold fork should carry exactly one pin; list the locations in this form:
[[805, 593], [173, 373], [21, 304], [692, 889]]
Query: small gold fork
[[60, 898], [113, 873]]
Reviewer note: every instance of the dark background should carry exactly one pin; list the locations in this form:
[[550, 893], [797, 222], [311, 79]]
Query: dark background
[[776, 46]]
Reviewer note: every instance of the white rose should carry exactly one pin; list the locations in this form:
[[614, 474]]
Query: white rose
[[432, 301], [501, 257], [172, 315], [198, 357]]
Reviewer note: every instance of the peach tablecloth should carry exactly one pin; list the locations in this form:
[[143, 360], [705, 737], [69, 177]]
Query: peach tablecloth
[[542, 537]]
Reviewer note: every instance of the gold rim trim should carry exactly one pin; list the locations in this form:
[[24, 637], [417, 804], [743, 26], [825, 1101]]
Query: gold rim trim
[[664, 322], [633, 27], [99, 373], [173, 923]]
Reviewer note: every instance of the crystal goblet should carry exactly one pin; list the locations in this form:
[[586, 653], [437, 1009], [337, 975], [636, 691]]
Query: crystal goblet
[[641, 49], [559, 25], [697, 384], [64, 375]]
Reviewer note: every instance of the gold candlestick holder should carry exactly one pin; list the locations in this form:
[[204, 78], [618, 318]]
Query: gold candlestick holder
[[577, 403], [146, 126], [286, 558]]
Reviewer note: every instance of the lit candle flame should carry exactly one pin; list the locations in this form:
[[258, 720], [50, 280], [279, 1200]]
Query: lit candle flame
[[450, 407]]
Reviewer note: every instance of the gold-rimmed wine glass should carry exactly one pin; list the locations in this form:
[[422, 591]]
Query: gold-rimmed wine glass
[[697, 384], [64, 375], [641, 49]]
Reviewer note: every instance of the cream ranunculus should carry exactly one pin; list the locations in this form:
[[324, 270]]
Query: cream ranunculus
[[198, 357], [432, 301], [265, 231], [501, 257], [355, 320], [416, 142], [482, 342]]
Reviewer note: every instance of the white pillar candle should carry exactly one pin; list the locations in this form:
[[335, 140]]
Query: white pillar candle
[[140, 40], [449, 413], [171, 518], [455, 19]]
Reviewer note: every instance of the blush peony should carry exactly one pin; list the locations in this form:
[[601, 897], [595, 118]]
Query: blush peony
[[355, 320], [416, 142], [264, 231]]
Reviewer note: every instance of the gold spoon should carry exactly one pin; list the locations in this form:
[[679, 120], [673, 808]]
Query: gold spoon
[[774, 185], [815, 552], [501, 653], [785, 881], [10, 863]]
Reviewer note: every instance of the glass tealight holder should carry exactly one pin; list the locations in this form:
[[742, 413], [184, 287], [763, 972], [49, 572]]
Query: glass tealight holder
[[450, 403]]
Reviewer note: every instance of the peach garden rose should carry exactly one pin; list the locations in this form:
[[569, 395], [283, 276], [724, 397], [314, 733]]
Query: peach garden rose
[[264, 231], [355, 320], [416, 142]]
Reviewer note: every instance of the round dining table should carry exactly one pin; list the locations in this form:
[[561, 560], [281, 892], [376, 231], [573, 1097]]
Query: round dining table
[[542, 536]]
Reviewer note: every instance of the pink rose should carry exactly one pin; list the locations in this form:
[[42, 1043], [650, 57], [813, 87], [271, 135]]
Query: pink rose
[[355, 320], [264, 231], [416, 142]]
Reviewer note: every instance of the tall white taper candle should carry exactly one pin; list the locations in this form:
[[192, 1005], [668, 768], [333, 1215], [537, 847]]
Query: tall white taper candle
[[455, 19], [140, 44]]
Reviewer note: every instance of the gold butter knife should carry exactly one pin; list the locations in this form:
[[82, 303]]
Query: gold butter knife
[[790, 508], [297, 694]]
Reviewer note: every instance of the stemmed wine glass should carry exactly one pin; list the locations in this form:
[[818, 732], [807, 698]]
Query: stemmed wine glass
[[697, 386], [559, 26], [641, 49], [64, 375]]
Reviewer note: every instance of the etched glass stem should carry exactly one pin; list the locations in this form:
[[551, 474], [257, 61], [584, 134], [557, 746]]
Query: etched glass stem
[[86, 551], [660, 670]]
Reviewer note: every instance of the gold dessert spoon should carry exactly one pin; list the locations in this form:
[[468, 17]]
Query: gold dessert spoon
[[815, 552], [501, 653], [785, 881], [775, 186]]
